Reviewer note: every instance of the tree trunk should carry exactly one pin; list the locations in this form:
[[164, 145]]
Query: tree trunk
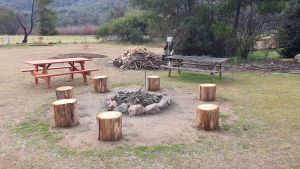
[[237, 14], [207, 92], [207, 117], [100, 84], [65, 113], [25, 39], [64, 92], [110, 126], [153, 83]]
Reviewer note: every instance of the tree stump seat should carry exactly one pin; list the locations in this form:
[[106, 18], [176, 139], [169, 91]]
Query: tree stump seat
[[100, 84], [207, 117], [65, 113], [153, 83], [207, 92], [64, 92], [110, 126]]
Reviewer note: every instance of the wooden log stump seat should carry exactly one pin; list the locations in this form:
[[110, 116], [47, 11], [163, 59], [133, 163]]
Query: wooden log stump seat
[[64, 92], [100, 84], [207, 117], [207, 92], [153, 83], [65, 113], [110, 126]]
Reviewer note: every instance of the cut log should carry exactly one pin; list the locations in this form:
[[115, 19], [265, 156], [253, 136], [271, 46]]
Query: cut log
[[64, 92], [153, 83], [207, 92], [110, 126], [65, 113], [207, 117], [100, 84]]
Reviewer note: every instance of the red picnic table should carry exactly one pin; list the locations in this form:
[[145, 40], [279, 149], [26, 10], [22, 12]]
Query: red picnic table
[[41, 68]]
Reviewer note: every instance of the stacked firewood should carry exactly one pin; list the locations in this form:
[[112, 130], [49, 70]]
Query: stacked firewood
[[137, 59]]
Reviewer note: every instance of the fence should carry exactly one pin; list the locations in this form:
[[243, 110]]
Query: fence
[[16, 39]]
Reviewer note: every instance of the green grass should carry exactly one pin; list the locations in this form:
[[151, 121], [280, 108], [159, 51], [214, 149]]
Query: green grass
[[265, 103], [264, 54], [34, 39], [254, 55]]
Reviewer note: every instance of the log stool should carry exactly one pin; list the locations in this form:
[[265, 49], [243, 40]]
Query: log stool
[[153, 83], [65, 113], [100, 84], [64, 92], [207, 92], [207, 117], [110, 126]]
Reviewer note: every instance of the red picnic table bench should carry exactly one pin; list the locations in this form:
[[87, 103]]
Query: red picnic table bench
[[41, 68]]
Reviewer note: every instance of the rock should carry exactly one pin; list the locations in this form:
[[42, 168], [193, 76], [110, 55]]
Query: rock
[[135, 110], [297, 57], [122, 108], [152, 109], [111, 104], [164, 102]]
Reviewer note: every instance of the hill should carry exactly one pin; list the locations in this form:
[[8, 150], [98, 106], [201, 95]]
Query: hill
[[72, 12]]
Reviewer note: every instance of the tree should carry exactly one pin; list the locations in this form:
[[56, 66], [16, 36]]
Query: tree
[[289, 34], [48, 18], [33, 20], [252, 18], [215, 27], [9, 23], [132, 27], [118, 11]]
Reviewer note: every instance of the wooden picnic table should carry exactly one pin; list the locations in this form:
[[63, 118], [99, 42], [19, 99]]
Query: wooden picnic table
[[179, 62], [42, 67]]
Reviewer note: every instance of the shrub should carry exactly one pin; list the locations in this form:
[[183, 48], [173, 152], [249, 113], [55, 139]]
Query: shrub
[[8, 21], [194, 37], [289, 34], [132, 27]]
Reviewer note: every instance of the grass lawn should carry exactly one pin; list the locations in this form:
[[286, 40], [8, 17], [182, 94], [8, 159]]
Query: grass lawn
[[269, 124], [263, 54], [15, 39], [266, 134]]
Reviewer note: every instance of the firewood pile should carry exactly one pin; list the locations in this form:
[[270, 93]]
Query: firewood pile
[[137, 102], [137, 59], [265, 67]]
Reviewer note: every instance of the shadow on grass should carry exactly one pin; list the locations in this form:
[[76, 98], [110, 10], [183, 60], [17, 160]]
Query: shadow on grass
[[188, 77]]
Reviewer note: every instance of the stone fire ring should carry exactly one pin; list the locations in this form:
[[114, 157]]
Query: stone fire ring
[[137, 102]]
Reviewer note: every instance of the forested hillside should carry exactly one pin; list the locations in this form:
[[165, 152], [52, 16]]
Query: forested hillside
[[72, 12]]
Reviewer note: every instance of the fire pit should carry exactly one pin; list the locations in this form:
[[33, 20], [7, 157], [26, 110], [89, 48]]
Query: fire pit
[[137, 102]]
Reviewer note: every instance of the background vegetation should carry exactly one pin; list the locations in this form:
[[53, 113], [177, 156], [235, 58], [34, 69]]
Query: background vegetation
[[206, 27]]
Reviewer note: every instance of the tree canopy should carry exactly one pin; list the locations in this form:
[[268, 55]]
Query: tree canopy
[[48, 18], [219, 28], [9, 23], [289, 34]]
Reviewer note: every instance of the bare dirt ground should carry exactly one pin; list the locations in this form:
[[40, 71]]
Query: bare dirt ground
[[259, 113], [172, 126]]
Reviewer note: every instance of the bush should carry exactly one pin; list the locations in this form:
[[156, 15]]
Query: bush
[[224, 40], [8, 21], [132, 27], [289, 34], [194, 37]]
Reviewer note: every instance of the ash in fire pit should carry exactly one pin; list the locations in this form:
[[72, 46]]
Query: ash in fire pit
[[138, 102]]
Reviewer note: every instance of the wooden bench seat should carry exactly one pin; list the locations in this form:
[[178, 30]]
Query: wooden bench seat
[[67, 73], [189, 69], [212, 72], [51, 68], [47, 77]]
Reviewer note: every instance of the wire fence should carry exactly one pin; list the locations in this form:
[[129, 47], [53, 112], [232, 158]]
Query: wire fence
[[17, 39]]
